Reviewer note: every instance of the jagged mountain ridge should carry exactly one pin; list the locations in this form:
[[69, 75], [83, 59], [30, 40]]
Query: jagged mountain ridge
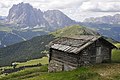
[[24, 15]]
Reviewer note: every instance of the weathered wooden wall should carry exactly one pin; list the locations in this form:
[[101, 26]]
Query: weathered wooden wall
[[89, 54], [105, 51], [60, 61]]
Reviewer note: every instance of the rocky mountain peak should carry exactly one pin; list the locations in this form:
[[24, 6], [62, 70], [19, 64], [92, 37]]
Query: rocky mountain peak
[[24, 15], [57, 18]]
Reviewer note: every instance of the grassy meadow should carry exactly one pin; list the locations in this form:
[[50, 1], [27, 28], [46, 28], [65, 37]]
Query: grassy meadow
[[95, 72], [116, 53], [43, 61]]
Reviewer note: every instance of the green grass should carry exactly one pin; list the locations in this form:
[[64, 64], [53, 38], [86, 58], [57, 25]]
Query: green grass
[[78, 74], [95, 72], [6, 67], [26, 73], [118, 45], [43, 61], [40, 73], [116, 53]]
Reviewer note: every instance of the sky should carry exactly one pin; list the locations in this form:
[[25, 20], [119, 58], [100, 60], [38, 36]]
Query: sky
[[75, 9]]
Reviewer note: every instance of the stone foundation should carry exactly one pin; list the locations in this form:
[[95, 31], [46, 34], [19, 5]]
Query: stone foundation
[[55, 66]]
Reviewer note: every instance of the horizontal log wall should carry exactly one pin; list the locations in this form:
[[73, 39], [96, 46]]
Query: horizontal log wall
[[62, 61], [67, 57]]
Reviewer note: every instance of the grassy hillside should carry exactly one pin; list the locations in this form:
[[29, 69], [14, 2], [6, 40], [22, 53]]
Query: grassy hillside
[[116, 53], [73, 31], [43, 60], [96, 72], [24, 51], [118, 45]]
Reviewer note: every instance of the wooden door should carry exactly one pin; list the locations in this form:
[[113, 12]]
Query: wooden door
[[98, 55]]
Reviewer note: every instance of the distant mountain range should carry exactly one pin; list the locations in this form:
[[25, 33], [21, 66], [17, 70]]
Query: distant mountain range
[[108, 30], [115, 19], [108, 26]]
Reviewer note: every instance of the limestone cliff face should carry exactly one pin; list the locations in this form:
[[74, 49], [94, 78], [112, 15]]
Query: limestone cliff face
[[24, 15]]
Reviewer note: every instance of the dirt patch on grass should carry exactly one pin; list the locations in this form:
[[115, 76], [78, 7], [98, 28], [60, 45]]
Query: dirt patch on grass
[[107, 70]]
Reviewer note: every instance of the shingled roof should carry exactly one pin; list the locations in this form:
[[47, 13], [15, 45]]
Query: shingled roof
[[75, 44]]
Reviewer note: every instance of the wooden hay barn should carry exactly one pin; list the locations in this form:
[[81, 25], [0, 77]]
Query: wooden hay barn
[[70, 53]]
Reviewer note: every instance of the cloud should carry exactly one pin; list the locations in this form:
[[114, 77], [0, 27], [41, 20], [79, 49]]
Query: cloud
[[8, 3], [55, 4], [101, 6], [75, 9], [3, 6], [46, 4]]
